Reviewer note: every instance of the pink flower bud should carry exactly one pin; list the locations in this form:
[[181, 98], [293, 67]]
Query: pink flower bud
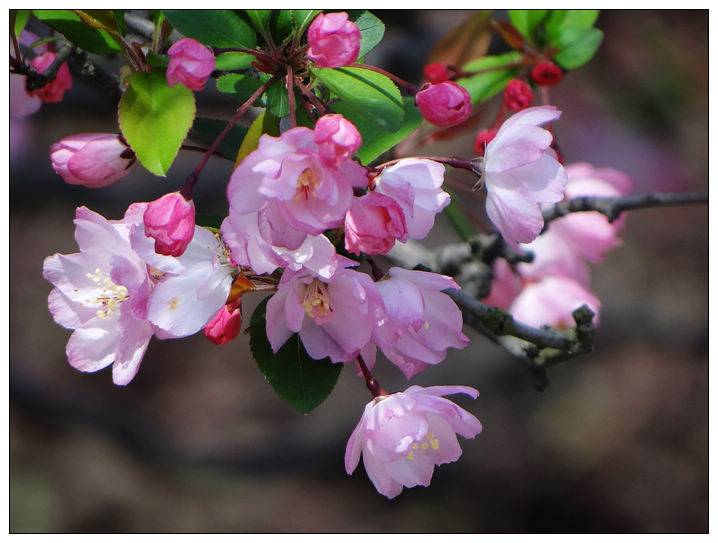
[[224, 326], [482, 140], [170, 221], [191, 63], [518, 95], [373, 224], [337, 139], [333, 40], [91, 160], [546, 73], [444, 104], [437, 73], [53, 91]]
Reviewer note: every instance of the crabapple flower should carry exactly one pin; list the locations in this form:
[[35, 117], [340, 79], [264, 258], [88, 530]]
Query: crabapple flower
[[54, 90], [518, 95], [546, 73], [373, 224], [444, 104], [520, 172], [402, 436], [415, 184], [102, 293], [333, 40], [169, 220], [224, 326], [337, 139], [505, 285], [191, 64], [421, 321], [91, 160], [333, 318]]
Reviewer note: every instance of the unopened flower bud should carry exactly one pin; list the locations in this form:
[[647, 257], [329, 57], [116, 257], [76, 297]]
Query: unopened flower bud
[[518, 95], [224, 326], [482, 140], [91, 160], [437, 73], [373, 224], [53, 90], [170, 222], [191, 63], [333, 40], [337, 139], [546, 73], [444, 104]]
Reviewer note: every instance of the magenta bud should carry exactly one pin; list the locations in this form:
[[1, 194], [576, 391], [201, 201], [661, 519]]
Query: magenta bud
[[333, 40], [91, 160], [437, 72], [55, 89], [191, 63], [518, 95], [546, 73], [224, 326], [337, 139], [170, 222], [444, 104], [482, 140]]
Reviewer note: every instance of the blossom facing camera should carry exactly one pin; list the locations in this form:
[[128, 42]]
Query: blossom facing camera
[[337, 139], [402, 436], [191, 64], [224, 326], [373, 224], [170, 222], [54, 90], [518, 95], [444, 104], [91, 160], [546, 73], [333, 40]]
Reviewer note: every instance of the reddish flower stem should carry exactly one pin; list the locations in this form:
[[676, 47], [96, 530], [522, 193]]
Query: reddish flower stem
[[410, 88], [371, 383], [290, 96]]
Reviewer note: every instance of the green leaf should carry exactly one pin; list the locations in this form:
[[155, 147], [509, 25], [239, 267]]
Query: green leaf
[[526, 20], [559, 19], [372, 31], [71, 26], [459, 220], [367, 93], [213, 27], [155, 118], [289, 21], [293, 374], [157, 61], [266, 123], [21, 17], [277, 99], [99, 17], [260, 20], [484, 85], [233, 60], [209, 221], [240, 86], [376, 141], [206, 131], [577, 45]]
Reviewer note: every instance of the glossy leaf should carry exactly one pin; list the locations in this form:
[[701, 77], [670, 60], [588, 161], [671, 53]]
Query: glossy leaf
[[559, 19], [577, 45], [366, 93], [372, 32], [526, 20], [155, 118], [484, 85], [277, 99], [206, 131], [293, 374], [21, 17], [233, 60], [240, 86], [213, 27], [260, 19], [71, 26]]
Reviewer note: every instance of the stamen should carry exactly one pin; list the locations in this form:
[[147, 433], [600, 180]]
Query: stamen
[[316, 300], [307, 182]]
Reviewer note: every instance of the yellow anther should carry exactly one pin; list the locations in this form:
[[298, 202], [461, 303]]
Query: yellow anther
[[426, 325], [172, 304], [307, 182], [424, 446], [410, 456], [434, 444], [316, 300], [414, 446]]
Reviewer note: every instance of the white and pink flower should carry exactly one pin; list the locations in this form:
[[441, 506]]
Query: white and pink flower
[[93, 160]]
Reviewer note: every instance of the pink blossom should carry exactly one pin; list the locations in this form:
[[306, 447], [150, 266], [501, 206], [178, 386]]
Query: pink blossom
[[553, 255], [444, 104], [333, 40], [518, 95], [415, 184], [169, 220], [102, 294], [520, 172], [333, 318], [421, 321], [482, 140], [22, 104], [54, 90], [224, 326], [91, 160], [191, 64], [337, 139], [373, 224], [402, 436], [505, 285]]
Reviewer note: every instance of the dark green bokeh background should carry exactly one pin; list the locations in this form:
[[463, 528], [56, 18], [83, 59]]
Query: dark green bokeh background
[[199, 442]]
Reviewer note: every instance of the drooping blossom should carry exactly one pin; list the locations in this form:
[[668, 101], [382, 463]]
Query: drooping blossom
[[102, 294], [421, 321], [169, 220], [225, 325], [333, 40], [444, 104], [402, 436], [91, 160], [334, 318], [54, 90], [337, 139], [373, 223], [191, 64], [518, 95], [546, 73], [415, 184], [520, 172]]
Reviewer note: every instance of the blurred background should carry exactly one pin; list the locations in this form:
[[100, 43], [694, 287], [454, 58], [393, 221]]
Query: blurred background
[[199, 442]]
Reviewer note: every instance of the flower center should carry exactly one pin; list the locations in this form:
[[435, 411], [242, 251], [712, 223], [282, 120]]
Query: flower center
[[111, 295], [428, 441], [307, 183], [316, 300]]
